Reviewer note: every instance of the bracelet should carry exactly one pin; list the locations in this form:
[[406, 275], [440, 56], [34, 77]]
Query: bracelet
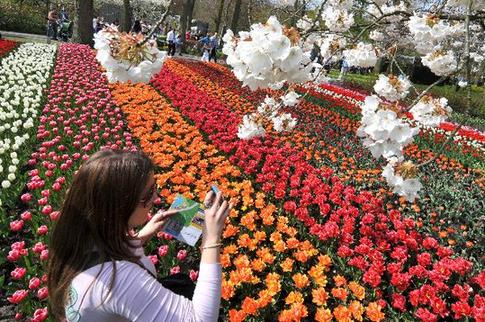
[[211, 246]]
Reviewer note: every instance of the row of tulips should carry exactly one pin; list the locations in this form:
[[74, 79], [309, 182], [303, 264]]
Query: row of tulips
[[345, 103], [328, 139], [24, 76], [78, 119], [269, 269], [474, 136], [6, 46], [468, 139], [380, 247]]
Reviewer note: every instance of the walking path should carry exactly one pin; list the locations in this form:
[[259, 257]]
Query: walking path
[[19, 36]]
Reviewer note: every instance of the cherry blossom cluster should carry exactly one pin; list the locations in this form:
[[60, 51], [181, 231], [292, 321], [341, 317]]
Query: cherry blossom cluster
[[253, 125], [267, 56], [124, 59]]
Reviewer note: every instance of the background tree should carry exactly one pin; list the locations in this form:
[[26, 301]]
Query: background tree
[[127, 15], [236, 15], [83, 22]]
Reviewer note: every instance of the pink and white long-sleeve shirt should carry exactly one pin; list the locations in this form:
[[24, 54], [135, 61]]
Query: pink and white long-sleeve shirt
[[138, 296]]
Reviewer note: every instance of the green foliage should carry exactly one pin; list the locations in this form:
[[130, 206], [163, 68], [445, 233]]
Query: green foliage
[[23, 16]]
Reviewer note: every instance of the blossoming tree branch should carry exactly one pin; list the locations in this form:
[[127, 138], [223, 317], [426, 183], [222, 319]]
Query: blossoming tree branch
[[447, 35]]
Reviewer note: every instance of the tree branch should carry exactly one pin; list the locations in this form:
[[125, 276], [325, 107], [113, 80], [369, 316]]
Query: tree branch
[[154, 29]]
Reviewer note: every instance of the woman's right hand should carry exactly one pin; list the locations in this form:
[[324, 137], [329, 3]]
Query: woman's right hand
[[215, 216]]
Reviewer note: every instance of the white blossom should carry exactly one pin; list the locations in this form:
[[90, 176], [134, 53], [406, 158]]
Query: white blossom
[[363, 55], [431, 111], [392, 88], [290, 99], [250, 128], [406, 187], [337, 20], [441, 63], [283, 122]]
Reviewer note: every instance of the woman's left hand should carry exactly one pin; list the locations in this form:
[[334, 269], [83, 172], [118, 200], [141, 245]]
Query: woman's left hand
[[155, 224]]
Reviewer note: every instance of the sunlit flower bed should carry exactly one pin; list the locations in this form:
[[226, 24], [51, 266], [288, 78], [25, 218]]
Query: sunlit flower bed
[[78, 119], [6, 46], [24, 76], [315, 234], [380, 247]]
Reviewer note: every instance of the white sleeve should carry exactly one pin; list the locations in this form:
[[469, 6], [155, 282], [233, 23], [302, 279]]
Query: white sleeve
[[138, 296]]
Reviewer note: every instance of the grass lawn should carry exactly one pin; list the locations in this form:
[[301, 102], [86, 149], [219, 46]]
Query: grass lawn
[[456, 99]]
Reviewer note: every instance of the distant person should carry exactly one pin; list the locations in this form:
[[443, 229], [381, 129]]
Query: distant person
[[116, 23], [343, 69], [95, 24], [187, 35], [52, 24], [171, 39], [178, 44], [213, 44], [63, 15], [100, 25], [136, 27]]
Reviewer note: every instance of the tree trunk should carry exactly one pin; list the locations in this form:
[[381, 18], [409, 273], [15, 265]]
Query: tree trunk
[[235, 16], [48, 8], [190, 15], [83, 22], [183, 19], [219, 15], [127, 15]]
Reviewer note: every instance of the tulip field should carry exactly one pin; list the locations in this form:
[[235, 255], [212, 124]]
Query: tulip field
[[315, 234]]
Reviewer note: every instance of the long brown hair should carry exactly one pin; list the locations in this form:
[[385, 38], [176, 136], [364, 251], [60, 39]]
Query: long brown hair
[[104, 193]]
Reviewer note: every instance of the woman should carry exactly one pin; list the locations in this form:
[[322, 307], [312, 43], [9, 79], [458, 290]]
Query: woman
[[97, 270]]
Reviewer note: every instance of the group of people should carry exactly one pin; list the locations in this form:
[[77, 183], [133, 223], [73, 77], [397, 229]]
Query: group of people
[[59, 27], [210, 43]]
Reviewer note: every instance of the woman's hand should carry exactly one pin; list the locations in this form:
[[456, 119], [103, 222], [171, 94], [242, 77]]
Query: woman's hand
[[215, 216], [155, 224]]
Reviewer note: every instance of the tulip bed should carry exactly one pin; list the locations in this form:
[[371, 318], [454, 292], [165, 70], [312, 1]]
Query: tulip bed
[[314, 235], [6, 46]]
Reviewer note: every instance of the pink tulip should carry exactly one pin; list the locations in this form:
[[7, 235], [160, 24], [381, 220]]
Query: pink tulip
[[40, 315], [55, 215], [162, 250], [154, 259], [26, 197], [26, 215], [19, 316], [38, 247], [18, 296], [42, 230], [34, 283], [175, 270], [47, 210], [44, 255], [194, 275], [18, 273], [13, 255], [16, 225], [182, 254], [56, 186], [43, 201], [42, 293]]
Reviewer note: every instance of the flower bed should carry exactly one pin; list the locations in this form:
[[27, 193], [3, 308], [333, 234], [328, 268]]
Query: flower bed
[[328, 139], [380, 247], [466, 136], [6, 46], [78, 119], [262, 251], [24, 76]]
